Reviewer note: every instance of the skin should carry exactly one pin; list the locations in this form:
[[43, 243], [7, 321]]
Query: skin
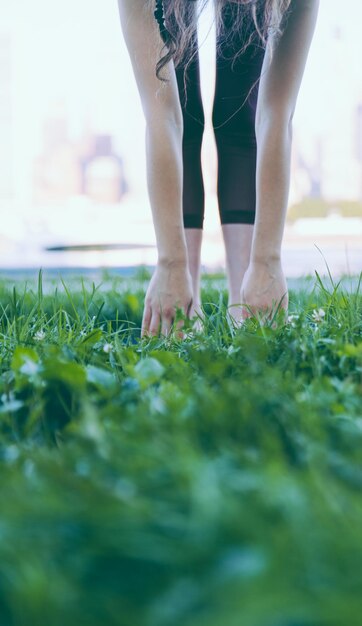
[[253, 254], [171, 284], [237, 241], [264, 284]]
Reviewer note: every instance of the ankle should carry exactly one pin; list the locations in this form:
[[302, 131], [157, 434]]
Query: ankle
[[265, 261], [234, 299]]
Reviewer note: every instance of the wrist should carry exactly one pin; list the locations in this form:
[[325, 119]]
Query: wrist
[[178, 261], [265, 259]]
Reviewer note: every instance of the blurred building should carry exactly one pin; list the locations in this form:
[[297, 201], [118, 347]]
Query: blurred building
[[103, 177], [70, 167], [358, 143], [339, 162], [307, 171], [56, 171], [6, 118]]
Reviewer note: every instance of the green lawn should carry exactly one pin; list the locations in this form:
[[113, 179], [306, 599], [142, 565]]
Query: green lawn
[[214, 480]]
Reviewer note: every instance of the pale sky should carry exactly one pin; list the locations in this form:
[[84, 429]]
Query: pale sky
[[74, 50]]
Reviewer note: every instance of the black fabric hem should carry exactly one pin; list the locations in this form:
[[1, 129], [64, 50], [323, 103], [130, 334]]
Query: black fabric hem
[[237, 217], [193, 221]]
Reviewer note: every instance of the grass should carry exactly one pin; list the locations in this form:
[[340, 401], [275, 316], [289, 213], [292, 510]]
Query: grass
[[205, 481], [318, 207]]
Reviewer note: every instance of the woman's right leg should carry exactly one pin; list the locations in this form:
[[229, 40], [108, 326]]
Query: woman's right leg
[[234, 109], [193, 185]]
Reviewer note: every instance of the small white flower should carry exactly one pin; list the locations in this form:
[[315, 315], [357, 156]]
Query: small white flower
[[107, 348], [29, 368], [318, 316], [292, 319], [7, 397], [39, 335]]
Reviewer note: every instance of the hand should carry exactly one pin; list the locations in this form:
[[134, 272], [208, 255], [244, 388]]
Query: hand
[[170, 286], [263, 287]]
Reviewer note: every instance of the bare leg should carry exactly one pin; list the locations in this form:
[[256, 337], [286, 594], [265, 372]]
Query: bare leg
[[264, 285], [193, 242], [237, 240], [233, 117], [193, 197]]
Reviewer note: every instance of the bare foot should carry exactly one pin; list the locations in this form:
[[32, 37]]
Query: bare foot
[[196, 309], [235, 311], [263, 290]]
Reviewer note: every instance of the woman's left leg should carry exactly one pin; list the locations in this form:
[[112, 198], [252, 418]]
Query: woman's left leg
[[264, 285], [234, 109]]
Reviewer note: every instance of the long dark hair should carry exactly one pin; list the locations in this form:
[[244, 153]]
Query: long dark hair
[[178, 23]]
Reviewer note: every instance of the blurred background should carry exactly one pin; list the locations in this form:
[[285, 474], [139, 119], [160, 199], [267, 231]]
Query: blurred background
[[72, 151]]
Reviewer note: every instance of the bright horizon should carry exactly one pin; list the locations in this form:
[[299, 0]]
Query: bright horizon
[[65, 52], [74, 53]]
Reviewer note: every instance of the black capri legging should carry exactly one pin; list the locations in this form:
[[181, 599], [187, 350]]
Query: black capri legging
[[233, 119]]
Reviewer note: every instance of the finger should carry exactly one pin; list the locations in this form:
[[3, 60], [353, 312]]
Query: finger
[[261, 314], [188, 308], [197, 326], [179, 333], [166, 325], [146, 319], [189, 311], [155, 323], [246, 312]]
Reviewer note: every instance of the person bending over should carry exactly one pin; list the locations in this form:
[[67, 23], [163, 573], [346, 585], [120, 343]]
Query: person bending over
[[261, 52]]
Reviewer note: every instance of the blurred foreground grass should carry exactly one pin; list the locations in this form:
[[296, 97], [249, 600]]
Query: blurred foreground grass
[[209, 481]]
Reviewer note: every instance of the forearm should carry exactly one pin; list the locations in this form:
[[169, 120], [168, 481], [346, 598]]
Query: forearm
[[165, 180], [163, 115], [274, 138], [278, 90]]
